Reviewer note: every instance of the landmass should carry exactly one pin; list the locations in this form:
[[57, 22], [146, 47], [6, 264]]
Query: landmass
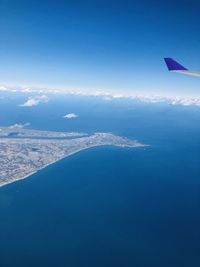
[[34, 150], [22, 132]]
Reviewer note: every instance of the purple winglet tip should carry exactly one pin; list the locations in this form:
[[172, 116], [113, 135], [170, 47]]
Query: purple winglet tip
[[173, 65]]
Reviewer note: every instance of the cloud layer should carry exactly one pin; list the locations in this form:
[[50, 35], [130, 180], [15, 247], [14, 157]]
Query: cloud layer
[[107, 95]]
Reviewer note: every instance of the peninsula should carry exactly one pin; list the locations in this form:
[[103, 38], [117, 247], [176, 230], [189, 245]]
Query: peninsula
[[25, 152]]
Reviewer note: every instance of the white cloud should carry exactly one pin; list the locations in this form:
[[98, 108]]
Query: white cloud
[[3, 88], [34, 101], [19, 125], [70, 116], [107, 95]]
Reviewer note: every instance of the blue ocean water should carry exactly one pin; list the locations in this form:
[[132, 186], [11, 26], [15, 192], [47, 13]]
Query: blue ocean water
[[107, 206]]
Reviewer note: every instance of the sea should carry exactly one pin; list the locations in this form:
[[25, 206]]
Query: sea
[[106, 206]]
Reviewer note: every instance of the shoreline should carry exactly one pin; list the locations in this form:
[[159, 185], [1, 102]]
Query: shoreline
[[137, 145]]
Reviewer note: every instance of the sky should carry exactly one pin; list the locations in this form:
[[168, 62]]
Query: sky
[[100, 44]]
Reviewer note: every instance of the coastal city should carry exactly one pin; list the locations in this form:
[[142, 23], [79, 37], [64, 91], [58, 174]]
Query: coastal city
[[24, 152]]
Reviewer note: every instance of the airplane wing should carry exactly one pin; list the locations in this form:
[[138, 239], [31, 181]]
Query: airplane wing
[[174, 66]]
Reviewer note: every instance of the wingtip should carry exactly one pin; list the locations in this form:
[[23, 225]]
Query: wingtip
[[173, 65]]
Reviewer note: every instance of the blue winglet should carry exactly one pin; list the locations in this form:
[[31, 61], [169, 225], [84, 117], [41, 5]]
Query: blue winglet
[[172, 65]]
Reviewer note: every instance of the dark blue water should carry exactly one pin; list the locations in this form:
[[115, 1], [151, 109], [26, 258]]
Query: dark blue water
[[108, 206]]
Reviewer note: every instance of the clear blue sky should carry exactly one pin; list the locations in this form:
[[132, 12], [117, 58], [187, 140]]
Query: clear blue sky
[[100, 44]]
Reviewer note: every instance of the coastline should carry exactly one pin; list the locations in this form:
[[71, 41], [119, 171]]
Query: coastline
[[137, 145]]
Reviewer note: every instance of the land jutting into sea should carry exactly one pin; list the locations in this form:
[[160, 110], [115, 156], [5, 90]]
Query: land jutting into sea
[[24, 152]]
